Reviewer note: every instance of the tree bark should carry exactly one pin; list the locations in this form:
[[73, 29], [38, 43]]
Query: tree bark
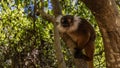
[[107, 16], [57, 45]]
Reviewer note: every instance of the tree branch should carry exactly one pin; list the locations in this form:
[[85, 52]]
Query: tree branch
[[43, 14], [46, 16], [107, 17], [57, 45], [56, 7]]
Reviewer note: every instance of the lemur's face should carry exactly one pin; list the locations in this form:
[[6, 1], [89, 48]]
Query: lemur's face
[[68, 23]]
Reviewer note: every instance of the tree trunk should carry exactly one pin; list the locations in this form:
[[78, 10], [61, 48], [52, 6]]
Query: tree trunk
[[15, 61], [57, 45], [106, 14]]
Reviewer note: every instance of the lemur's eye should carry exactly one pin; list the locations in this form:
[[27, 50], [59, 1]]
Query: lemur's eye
[[69, 20]]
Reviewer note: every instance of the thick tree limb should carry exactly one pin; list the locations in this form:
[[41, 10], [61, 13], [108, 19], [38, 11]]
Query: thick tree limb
[[107, 16], [43, 14], [56, 7], [57, 45], [46, 16]]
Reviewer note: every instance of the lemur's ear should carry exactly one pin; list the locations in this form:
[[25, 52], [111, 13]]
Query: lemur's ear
[[58, 18], [78, 17]]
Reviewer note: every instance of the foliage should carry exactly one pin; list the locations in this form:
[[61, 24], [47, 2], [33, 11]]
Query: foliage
[[24, 44], [20, 40]]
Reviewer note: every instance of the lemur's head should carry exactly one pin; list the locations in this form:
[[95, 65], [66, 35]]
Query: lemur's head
[[68, 23]]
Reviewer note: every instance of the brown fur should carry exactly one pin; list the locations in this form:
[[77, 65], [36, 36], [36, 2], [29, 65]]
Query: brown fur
[[82, 33]]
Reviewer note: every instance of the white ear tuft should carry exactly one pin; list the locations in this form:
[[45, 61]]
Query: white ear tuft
[[76, 18], [58, 18]]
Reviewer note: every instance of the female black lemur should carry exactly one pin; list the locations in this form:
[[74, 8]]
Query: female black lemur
[[81, 32]]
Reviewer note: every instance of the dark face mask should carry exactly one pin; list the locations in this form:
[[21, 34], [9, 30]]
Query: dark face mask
[[67, 20]]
